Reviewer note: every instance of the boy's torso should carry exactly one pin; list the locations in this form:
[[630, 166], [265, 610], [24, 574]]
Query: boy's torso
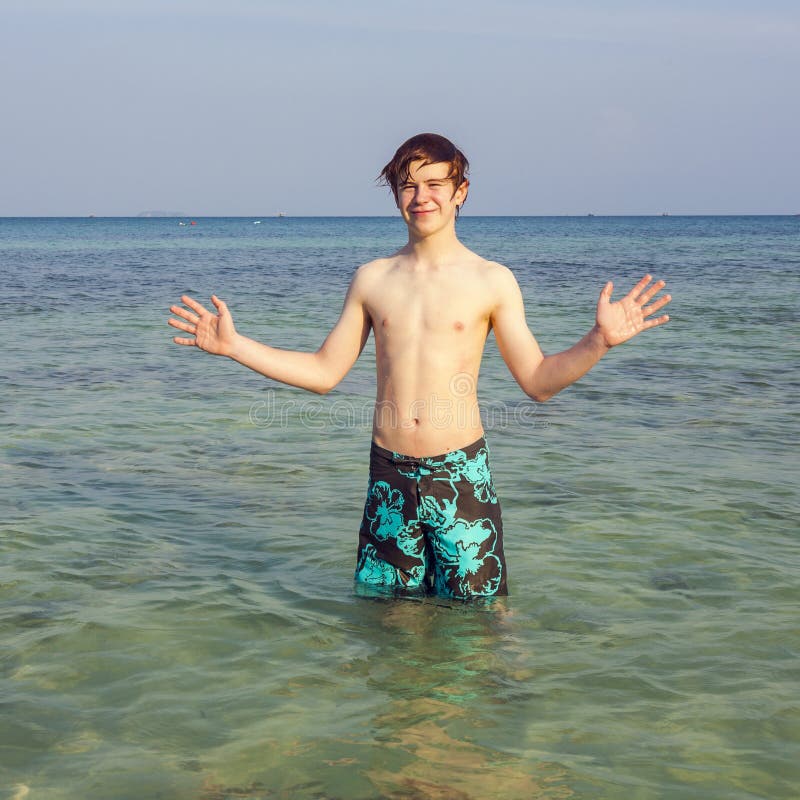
[[430, 326]]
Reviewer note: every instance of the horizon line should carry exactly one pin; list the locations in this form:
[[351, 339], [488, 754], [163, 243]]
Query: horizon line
[[584, 215]]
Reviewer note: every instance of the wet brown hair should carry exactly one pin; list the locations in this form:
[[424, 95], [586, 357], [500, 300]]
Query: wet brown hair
[[429, 148]]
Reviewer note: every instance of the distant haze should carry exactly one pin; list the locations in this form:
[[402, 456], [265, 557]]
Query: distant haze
[[256, 108]]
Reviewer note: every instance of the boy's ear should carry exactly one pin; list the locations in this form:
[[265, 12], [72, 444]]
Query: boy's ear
[[460, 194]]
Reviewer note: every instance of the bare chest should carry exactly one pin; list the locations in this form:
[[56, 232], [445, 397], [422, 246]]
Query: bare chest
[[412, 306]]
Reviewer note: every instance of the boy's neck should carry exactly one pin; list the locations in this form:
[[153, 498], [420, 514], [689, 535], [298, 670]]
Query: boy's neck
[[440, 246]]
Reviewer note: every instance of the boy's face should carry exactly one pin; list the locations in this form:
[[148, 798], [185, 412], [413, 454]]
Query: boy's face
[[428, 199]]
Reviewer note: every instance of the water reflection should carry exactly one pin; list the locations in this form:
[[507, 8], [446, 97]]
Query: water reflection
[[448, 676]]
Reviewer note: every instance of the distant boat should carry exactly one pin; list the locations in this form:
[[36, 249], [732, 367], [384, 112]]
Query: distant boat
[[280, 214], [665, 214], [257, 222], [590, 215]]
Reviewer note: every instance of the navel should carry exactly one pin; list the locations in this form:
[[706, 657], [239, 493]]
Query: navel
[[458, 325]]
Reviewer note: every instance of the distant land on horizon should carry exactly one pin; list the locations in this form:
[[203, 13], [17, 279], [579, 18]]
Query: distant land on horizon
[[162, 214]]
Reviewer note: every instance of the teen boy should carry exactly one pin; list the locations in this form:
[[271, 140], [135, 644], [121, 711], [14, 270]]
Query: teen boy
[[431, 519]]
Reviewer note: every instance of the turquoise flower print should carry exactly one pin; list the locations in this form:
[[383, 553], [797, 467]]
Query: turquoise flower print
[[433, 523], [453, 466], [373, 569], [410, 541], [384, 510], [476, 471], [464, 552], [437, 511]]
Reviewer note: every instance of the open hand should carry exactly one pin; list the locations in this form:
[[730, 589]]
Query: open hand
[[213, 333], [623, 319]]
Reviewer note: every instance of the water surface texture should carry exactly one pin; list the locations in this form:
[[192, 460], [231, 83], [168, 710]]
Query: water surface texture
[[177, 541]]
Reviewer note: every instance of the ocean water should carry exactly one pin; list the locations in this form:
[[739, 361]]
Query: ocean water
[[177, 539]]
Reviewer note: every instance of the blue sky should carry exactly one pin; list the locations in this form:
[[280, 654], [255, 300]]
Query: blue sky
[[254, 107]]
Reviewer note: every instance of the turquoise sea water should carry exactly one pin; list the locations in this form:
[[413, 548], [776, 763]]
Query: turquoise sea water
[[177, 540]]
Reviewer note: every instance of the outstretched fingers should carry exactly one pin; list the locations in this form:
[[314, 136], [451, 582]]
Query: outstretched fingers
[[659, 304], [184, 314], [210, 330], [652, 323], [185, 342], [191, 317], [635, 293], [650, 292], [182, 326], [198, 308]]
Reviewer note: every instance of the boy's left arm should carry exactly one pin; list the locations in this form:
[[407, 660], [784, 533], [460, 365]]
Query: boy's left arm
[[541, 376]]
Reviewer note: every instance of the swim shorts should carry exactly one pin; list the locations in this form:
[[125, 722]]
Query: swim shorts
[[432, 524]]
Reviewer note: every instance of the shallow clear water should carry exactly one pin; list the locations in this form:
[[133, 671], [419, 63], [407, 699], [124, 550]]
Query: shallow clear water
[[177, 613]]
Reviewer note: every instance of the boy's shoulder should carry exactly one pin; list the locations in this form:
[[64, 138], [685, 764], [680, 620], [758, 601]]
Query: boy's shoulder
[[369, 275], [496, 276], [495, 269], [376, 267]]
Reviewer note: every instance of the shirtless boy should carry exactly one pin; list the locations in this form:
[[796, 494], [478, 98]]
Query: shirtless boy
[[431, 520]]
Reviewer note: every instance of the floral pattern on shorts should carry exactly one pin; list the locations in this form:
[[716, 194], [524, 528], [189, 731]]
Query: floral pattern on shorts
[[433, 524]]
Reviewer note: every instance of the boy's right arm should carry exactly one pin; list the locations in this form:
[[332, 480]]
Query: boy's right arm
[[318, 372]]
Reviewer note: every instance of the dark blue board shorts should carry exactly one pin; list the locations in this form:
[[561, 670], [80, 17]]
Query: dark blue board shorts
[[432, 524]]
